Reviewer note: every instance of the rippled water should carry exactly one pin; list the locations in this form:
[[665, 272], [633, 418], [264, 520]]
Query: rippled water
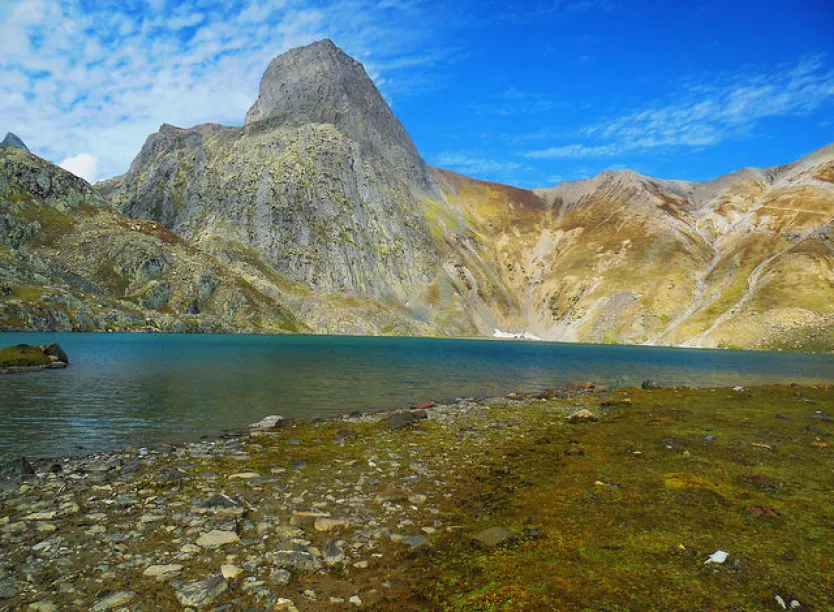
[[139, 390]]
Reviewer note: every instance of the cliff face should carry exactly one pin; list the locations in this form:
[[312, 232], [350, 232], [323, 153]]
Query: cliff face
[[321, 202]]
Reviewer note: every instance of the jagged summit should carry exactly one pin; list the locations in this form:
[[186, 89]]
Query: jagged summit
[[13, 141], [320, 83]]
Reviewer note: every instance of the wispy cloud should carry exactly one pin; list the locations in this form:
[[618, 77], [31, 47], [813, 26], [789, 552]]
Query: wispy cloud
[[705, 114], [543, 11], [513, 101], [95, 78], [474, 164]]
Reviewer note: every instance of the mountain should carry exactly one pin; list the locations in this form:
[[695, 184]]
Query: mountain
[[322, 208]]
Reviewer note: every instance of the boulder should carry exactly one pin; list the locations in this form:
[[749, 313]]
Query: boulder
[[55, 351], [14, 466], [583, 416], [297, 561], [401, 420], [267, 423], [651, 384], [202, 593]]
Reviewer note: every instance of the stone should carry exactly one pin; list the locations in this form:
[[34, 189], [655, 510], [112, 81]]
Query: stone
[[56, 353], [244, 476], [494, 536], [423, 405], [329, 524], [306, 519], [297, 561], [40, 516], [333, 555], [401, 420], [280, 576], [650, 384], [43, 606], [583, 416], [8, 588], [220, 504], [356, 601], [719, 557], [217, 538], [417, 499], [284, 605], [230, 572], [267, 423], [116, 600], [202, 593], [163, 572], [415, 541], [13, 466]]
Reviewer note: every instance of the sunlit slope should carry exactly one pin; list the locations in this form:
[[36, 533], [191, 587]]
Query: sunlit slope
[[745, 260]]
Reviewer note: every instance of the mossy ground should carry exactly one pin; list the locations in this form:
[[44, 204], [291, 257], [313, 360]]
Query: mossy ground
[[616, 530], [22, 356]]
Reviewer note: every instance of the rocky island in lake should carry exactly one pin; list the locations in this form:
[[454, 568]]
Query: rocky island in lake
[[26, 358]]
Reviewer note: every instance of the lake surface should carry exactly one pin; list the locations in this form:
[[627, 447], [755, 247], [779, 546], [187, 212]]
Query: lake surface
[[141, 389]]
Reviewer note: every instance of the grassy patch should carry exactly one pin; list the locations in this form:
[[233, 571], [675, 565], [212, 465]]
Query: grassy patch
[[22, 355]]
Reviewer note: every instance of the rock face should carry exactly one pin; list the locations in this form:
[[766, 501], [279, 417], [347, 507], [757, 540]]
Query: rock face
[[70, 262], [324, 184]]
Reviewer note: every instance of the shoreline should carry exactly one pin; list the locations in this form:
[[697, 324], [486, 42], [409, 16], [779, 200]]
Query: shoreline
[[375, 416], [371, 510], [458, 338]]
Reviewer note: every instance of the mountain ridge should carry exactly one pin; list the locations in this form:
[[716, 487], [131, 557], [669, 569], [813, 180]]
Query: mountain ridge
[[322, 203]]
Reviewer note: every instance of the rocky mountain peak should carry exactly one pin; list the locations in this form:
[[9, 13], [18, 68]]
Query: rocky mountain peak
[[13, 141], [320, 83]]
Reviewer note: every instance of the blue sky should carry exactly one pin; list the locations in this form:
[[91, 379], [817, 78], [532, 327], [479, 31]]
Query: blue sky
[[527, 93]]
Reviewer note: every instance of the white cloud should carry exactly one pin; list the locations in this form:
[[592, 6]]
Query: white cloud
[[100, 77], [83, 165], [705, 114], [481, 167]]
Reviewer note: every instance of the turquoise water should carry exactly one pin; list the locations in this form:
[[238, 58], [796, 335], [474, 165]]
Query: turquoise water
[[142, 390]]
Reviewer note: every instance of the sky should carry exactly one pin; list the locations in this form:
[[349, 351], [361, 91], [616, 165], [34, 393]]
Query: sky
[[528, 93]]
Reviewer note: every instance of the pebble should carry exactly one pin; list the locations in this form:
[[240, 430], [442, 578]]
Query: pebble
[[116, 600], [163, 572], [217, 538], [230, 572]]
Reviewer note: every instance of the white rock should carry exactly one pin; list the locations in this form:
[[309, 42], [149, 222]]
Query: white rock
[[230, 572], [163, 572], [355, 601], [216, 538], [719, 556], [267, 422], [244, 475]]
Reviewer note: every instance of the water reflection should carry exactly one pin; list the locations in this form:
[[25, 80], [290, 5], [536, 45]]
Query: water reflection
[[125, 389]]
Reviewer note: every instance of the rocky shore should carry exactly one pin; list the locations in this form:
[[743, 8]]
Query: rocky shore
[[27, 358], [377, 511]]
